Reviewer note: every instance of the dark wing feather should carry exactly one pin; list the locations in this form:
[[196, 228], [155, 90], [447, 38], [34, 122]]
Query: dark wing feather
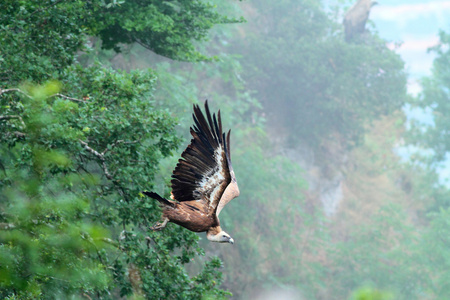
[[203, 172]]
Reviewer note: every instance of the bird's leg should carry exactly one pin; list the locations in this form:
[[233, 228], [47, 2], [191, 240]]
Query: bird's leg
[[159, 226]]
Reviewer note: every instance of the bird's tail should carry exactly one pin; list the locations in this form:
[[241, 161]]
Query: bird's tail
[[159, 198]]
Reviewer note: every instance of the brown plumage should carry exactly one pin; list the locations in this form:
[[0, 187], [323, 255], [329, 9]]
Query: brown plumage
[[356, 17], [203, 181]]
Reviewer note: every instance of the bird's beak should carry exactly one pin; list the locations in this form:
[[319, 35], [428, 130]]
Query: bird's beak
[[231, 241]]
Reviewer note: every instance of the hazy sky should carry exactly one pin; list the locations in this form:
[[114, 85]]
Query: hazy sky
[[414, 23]]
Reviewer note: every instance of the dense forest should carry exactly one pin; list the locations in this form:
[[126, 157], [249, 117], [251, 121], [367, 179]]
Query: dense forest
[[95, 107]]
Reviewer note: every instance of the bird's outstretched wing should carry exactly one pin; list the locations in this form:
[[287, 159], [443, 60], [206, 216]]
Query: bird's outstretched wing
[[204, 172]]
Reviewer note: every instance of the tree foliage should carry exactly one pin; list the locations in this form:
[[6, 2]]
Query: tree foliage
[[434, 135], [165, 27], [435, 98], [53, 31], [310, 79], [97, 155], [81, 139], [375, 243], [78, 145]]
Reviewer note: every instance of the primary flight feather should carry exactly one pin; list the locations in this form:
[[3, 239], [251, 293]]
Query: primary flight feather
[[203, 181]]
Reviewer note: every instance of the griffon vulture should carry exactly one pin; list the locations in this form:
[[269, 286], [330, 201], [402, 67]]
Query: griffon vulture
[[203, 181], [356, 17]]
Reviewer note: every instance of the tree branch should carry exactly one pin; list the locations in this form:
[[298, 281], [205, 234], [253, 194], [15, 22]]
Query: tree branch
[[68, 98], [9, 117], [111, 242], [19, 134], [96, 153], [14, 90], [108, 175], [100, 156], [55, 95]]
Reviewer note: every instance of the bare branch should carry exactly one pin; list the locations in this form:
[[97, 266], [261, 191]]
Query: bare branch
[[96, 153], [19, 134], [87, 296], [143, 45], [111, 242], [105, 170], [100, 156], [9, 90], [9, 117], [68, 98], [55, 95], [14, 90], [108, 175]]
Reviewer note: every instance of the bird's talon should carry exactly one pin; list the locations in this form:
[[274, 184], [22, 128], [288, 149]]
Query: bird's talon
[[157, 227], [160, 226]]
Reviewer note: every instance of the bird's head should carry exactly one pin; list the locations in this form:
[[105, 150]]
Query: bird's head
[[220, 237]]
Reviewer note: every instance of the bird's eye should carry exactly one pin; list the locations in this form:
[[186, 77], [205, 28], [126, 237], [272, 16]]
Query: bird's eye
[[224, 235]]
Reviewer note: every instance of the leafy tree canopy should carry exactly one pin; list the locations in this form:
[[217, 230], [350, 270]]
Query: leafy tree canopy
[[165, 27], [434, 98], [79, 143], [40, 38]]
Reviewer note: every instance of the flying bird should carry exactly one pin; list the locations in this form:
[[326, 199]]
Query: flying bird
[[356, 17], [203, 181]]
